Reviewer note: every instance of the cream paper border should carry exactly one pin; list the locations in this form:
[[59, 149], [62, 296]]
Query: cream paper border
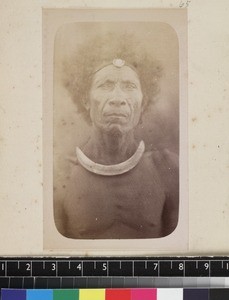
[[21, 166], [53, 20]]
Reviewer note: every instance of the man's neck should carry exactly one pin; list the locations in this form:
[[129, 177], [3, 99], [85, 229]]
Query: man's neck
[[110, 147]]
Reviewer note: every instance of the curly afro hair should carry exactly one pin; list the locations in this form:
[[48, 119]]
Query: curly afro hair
[[102, 50]]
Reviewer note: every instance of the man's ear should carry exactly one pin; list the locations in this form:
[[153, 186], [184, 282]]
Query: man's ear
[[144, 106], [86, 103]]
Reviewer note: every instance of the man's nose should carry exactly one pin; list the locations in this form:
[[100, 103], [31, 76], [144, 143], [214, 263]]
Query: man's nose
[[118, 97]]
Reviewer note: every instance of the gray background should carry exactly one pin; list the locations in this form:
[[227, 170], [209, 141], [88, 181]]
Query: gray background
[[160, 123]]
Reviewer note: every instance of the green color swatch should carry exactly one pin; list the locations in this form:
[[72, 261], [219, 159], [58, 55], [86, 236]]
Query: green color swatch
[[65, 294]]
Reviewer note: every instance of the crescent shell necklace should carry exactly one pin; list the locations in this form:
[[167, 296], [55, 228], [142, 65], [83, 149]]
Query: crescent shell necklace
[[111, 170]]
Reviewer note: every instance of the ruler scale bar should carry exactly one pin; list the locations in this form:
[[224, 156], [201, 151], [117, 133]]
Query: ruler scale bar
[[115, 267]]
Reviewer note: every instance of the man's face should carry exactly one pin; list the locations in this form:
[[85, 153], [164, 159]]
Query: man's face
[[115, 99]]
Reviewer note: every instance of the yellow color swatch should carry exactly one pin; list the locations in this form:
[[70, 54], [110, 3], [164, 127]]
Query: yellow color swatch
[[92, 294]]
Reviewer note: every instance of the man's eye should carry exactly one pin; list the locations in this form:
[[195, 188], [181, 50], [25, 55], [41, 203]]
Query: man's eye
[[106, 85], [130, 85]]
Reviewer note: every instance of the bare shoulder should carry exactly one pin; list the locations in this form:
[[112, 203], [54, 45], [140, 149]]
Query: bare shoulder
[[62, 182], [72, 160], [167, 164], [166, 159]]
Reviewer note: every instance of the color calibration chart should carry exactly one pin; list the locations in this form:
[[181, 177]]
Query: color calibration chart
[[107, 278], [118, 294]]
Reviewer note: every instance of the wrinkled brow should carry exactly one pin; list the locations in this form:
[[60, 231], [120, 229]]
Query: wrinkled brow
[[106, 79]]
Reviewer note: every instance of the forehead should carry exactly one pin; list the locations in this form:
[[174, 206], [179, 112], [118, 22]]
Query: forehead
[[111, 72]]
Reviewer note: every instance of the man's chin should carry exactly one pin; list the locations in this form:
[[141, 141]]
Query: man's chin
[[116, 129]]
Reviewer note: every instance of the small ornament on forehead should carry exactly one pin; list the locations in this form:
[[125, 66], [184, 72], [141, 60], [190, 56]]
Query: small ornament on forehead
[[118, 62]]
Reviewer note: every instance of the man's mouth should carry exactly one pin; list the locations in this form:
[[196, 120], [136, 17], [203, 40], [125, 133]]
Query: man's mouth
[[116, 114]]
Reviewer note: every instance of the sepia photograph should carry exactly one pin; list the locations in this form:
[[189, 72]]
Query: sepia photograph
[[113, 128], [116, 130]]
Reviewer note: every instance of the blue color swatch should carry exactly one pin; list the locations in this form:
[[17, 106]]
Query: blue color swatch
[[39, 295]]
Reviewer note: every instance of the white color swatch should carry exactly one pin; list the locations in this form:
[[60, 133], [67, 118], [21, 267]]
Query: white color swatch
[[171, 294]]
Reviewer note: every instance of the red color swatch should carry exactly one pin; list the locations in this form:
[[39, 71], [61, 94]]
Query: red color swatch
[[118, 294]]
